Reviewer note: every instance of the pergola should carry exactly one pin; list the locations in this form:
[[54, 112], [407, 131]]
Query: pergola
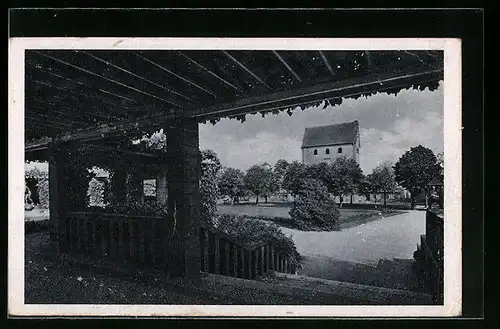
[[95, 98]]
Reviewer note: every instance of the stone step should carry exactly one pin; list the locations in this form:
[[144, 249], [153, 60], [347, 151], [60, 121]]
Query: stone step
[[366, 293]]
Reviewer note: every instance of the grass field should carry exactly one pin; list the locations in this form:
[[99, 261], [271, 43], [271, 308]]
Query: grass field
[[348, 217]]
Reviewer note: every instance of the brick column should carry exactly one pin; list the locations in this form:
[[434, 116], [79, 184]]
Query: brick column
[[56, 197], [183, 177]]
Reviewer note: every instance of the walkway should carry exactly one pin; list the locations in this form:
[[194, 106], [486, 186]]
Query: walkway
[[364, 254]]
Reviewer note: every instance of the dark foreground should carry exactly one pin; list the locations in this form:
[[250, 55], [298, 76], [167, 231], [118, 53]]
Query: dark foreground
[[49, 280]]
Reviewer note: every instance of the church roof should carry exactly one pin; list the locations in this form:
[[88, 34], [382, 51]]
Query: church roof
[[341, 133]]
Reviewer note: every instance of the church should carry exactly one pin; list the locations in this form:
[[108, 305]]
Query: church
[[326, 143]]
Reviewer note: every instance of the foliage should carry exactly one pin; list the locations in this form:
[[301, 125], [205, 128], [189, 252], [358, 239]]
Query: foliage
[[261, 181], [314, 205], [255, 231], [209, 192], [148, 208], [40, 179], [293, 177], [280, 169], [231, 183], [415, 169], [346, 175], [382, 179]]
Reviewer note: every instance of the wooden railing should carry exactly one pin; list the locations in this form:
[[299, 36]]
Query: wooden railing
[[433, 249], [223, 254], [128, 239]]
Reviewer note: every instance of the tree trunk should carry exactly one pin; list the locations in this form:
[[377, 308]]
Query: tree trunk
[[351, 197], [257, 200], [375, 197], [385, 199], [341, 199], [266, 198], [426, 199], [412, 201], [232, 201]]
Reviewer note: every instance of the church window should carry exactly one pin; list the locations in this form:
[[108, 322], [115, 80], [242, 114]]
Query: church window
[[327, 151], [315, 152], [339, 150]]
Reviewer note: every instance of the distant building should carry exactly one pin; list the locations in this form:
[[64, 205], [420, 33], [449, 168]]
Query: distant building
[[326, 143]]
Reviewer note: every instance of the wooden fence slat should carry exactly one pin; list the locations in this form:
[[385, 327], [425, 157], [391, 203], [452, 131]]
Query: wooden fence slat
[[255, 263], [202, 249], [241, 262], [248, 257], [223, 256], [211, 252], [271, 259], [265, 260], [233, 260], [261, 261]]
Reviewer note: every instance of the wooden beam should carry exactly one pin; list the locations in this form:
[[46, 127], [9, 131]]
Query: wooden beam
[[327, 64], [287, 66], [209, 71], [107, 62], [245, 68], [109, 79], [120, 150], [377, 81], [104, 130], [186, 80]]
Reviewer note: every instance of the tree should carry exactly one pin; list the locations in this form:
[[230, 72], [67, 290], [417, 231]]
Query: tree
[[231, 184], [382, 180], [346, 176], [415, 169], [280, 169], [314, 206], [209, 192], [292, 179], [261, 181]]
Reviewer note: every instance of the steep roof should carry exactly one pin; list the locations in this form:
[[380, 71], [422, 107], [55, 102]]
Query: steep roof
[[341, 133]]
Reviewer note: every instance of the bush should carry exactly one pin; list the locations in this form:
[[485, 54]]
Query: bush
[[254, 231], [148, 208], [315, 206]]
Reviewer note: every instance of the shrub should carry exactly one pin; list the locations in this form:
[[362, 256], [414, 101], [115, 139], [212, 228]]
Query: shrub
[[314, 205], [148, 208], [255, 231]]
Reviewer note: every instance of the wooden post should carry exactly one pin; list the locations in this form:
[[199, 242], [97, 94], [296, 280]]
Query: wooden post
[[255, 263], [184, 194], [262, 269], [223, 257]]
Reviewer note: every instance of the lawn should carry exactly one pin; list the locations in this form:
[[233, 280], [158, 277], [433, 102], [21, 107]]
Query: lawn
[[348, 217]]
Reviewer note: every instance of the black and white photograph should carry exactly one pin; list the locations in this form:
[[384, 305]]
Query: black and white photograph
[[203, 176]]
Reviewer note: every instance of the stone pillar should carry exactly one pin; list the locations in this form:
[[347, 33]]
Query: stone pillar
[[56, 197], [135, 186], [119, 184], [183, 169], [161, 186]]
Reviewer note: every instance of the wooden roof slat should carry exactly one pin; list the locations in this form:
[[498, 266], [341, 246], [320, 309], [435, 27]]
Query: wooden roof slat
[[107, 62], [75, 98], [188, 81], [109, 80], [82, 81], [287, 66], [245, 68], [327, 64], [209, 71], [79, 83]]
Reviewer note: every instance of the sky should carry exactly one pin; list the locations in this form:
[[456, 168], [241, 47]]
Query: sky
[[389, 126]]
